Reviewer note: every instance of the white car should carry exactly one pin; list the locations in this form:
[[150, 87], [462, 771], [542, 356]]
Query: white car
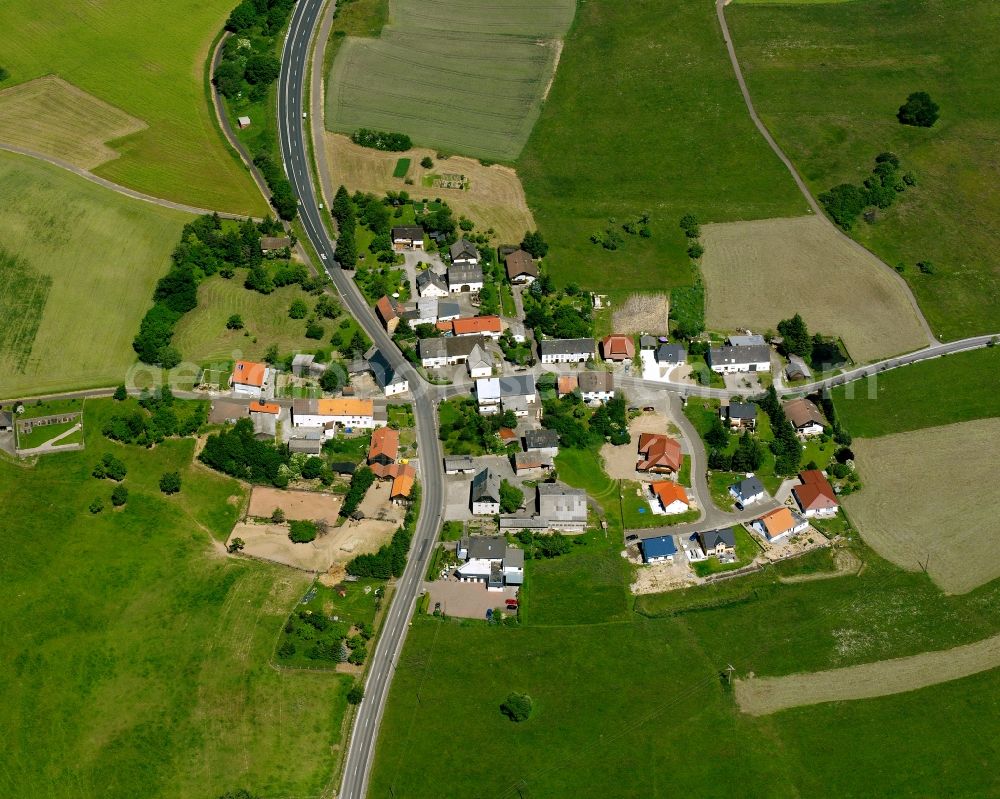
[[303, 114], [322, 255]]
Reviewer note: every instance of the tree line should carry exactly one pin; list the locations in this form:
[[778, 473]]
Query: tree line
[[390, 560]]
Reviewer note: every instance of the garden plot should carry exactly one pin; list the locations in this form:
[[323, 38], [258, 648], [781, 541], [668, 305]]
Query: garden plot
[[929, 499], [458, 76], [758, 273], [642, 313]]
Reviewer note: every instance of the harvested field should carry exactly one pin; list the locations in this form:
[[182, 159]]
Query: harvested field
[[758, 273], [493, 197], [642, 313], [461, 76], [934, 511], [760, 696], [301, 505], [55, 118]]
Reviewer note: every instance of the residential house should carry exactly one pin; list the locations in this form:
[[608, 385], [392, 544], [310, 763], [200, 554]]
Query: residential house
[[658, 549], [386, 377], [486, 493], [438, 352], [431, 284], [721, 543], [327, 414], [741, 358], [617, 348], [309, 442], [672, 496], [265, 419], [566, 384], [478, 326], [408, 237], [479, 362], [489, 559], [797, 369], [669, 356], [804, 416], [566, 350], [462, 278], [464, 253], [647, 342], [423, 312], [521, 270], [747, 491], [815, 497], [270, 244], [659, 454], [507, 435], [249, 378], [531, 461], [403, 479], [511, 392], [388, 314], [459, 464], [739, 415], [543, 440], [383, 450], [596, 386], [563, 508], [449, 311], [780, 523]]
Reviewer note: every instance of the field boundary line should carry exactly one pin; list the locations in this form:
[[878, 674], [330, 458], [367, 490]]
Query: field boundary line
[[720, 10], [759, 696]]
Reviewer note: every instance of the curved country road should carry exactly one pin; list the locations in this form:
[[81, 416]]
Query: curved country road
[[720, 10]]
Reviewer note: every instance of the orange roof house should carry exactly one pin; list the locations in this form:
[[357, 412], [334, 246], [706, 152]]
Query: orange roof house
[[507, 435], [815, 495], [669, 493], [386, 310], [249, 373], [341, 406], [779, 523], [477, 325], [566, 384], [402, 483], [618, 348], [384, 448], [658, 453], [259, 406]]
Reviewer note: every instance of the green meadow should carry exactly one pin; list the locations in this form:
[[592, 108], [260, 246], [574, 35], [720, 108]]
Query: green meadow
[[828, 79], [136, 653], [78, 264], [645, 115], [149, 60]]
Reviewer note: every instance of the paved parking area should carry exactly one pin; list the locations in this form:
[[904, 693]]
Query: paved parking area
[[466, 600]]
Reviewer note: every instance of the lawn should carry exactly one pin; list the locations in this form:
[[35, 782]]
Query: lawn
[[645, 115], [490, 62], [202, 335], [832, 107], [78, 264], [149, 674], [148, 61], [955, 388], [39, 435], [457, 428]]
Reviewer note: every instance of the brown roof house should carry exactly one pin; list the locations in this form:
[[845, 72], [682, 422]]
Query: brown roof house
[[658, 453], [618, 348], [388, 313], [815, 496], [521, 270], [805, 417]]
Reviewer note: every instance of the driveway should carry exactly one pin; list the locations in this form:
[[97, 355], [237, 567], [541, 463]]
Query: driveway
[[466, 600]]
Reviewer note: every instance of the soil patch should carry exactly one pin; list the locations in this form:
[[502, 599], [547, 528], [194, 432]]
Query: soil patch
[[642, 313], [763, 695], [301, 505], [271, 542], [619, 461]]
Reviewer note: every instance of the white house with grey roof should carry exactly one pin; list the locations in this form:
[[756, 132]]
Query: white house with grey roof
[[464, 278], [669, 356], [747, 491], [485, 499], [730, 359], [480, 362], [566, 350], [431, 284], [490, 559], [451, 351], [596, 386], [542, 439], [464, 253], [511, 392], [563, 508], [459, 464]]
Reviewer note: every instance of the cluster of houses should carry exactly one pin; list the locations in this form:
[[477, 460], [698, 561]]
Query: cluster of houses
[[719, 544]]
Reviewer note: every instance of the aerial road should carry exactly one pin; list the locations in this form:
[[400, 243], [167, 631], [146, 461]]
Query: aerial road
[[295, 154]]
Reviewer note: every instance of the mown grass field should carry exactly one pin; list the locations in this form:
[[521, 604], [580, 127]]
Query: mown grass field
[[617, 694], [136, 655], [645, 115], [202, 336], [955, 388], [458, 76], [86, 263], [148, 61], [758, 273], [828, 80]]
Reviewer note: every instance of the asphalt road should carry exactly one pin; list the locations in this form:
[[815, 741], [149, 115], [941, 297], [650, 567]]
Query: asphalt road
[[295, 154]]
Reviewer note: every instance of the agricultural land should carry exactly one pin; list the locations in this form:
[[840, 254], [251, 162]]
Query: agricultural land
[[148, 62], [461, 77], [138, 654], [491, 196], [758, 273], [77, 269], [828, 79], [594, 737], [645, 115], [929, 498], [955, 388]]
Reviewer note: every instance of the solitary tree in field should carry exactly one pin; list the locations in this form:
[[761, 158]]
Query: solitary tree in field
[[234, 322], [516, 707], [121, 394], [170, 482], [919, 110], [356, 694]]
